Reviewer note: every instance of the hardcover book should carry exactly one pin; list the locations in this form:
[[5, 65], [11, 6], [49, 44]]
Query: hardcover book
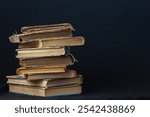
[[40, 52], [54, 42], [45, 92], [57, 61]]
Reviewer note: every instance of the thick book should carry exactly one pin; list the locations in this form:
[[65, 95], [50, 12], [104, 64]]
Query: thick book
[[46, 28], [40, 52], [39, 32], [67, 74], [47, 82], [45, 92], [55, 42], [36, 70], [60, 61]]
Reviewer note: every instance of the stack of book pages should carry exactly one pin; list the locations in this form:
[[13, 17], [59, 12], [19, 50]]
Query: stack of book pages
[[44, 57]]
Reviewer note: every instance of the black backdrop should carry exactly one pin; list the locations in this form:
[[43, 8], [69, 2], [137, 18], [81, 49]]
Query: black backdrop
[[116, 54]]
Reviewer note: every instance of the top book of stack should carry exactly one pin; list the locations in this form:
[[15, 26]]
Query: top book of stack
[[42, 32]]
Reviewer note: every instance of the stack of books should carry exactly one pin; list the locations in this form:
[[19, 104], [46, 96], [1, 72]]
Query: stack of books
[[44, 57]]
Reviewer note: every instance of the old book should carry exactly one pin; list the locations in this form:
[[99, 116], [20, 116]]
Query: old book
[[45, 92], [47, 82], [35, 70], [67, 74], [40, 32], [57, 42], [40, 52], [60, 61], [46, 28]]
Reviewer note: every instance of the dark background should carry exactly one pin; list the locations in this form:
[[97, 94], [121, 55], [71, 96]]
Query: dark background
[[116, 57]]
